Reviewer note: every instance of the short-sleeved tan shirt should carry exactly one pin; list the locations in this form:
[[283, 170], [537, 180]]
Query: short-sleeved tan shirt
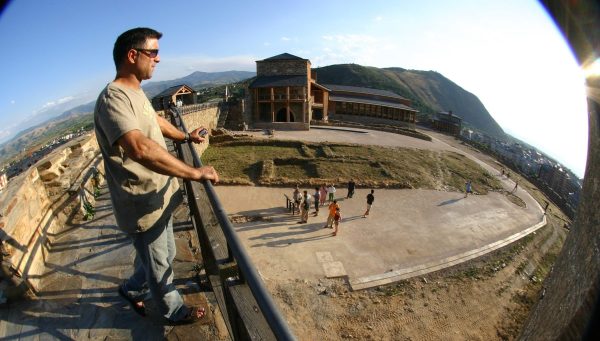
[[140, 196]]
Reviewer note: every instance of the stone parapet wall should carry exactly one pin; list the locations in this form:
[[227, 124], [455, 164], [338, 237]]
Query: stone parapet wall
[[41, 203], [52, 196], [206, 118]]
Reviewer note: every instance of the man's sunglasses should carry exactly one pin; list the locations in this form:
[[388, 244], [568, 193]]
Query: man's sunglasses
[[151, 53]]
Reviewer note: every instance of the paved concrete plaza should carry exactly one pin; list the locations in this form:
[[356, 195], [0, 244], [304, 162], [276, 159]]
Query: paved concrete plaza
[[409, 232]]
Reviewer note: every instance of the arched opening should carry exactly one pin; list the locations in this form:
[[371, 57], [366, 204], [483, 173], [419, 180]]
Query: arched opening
[[281, 115], [318, 114]]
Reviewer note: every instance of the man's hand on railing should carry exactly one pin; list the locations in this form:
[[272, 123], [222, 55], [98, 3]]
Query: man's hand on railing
[[206, 173], [198, 135]]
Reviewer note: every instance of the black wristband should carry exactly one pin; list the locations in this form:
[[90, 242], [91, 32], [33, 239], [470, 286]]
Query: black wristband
[[187, 137]]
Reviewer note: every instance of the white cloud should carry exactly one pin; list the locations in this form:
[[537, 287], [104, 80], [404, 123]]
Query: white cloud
[[7, 131], [378, 18], [357, 48], [65, 99], [51, 104], [285, 39], [4, 134]]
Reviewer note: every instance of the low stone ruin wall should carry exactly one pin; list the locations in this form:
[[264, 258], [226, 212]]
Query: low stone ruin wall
[[41, 203]]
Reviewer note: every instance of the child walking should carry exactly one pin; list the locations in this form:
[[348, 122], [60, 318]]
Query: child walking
[[336, 220]]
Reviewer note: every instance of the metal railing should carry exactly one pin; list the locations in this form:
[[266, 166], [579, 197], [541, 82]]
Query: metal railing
[[229, 270]]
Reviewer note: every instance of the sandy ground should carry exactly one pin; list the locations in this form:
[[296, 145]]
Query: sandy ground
[[483, 299]]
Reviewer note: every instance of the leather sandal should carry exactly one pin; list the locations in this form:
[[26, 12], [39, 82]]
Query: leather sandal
[[135, 305], [194, 315]]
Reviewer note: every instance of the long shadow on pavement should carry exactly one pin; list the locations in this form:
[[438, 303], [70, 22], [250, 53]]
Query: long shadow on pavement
[[451, 201]]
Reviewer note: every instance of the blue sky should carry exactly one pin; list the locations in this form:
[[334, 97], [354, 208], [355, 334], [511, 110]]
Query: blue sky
[[58, 54]]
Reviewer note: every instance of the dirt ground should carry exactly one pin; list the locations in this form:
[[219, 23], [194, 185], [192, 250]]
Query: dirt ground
[[485, 299]]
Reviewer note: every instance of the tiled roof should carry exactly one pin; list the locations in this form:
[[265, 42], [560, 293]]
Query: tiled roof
[[359, 90], [172, 90], [356, 99], [284, 56], [446, 116], [279, 81]]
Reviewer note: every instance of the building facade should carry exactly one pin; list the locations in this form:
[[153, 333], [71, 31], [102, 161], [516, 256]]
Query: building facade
[[366, 105], [285, 95], [447, 122]]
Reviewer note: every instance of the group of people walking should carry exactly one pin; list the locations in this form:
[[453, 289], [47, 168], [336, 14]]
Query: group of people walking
[[303, 201]]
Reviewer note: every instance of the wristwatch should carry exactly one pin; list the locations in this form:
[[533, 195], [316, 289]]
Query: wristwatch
[[187, 137]]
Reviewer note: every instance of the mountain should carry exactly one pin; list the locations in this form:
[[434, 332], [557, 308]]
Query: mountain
[[429, 91], [198, 80], [53, 123], [35, 137]]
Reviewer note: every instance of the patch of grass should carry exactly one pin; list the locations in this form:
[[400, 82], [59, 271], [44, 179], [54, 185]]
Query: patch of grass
[[371, 166], [295, 169], [307, 151], [244, 161], [523, 298], [472, 272], [519, 270], [547, 261]]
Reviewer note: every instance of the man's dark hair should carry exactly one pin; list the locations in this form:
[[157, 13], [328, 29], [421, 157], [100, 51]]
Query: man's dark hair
[[134, 38]]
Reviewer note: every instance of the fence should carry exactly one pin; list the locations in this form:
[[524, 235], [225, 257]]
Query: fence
[[247, 307]]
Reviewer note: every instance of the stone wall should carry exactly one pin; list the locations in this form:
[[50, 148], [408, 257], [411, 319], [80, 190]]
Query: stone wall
[[371, 120], [206, 118], [282, 125], [38, 205], [282, 68], [51, 197], [569, 308]]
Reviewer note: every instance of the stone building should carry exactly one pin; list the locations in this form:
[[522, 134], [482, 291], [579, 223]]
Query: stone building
[[447, 122], [286, 95], [366, 105], [560, 181]]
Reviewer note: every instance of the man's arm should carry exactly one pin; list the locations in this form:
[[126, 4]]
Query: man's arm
[[154, 157], [170, 131]]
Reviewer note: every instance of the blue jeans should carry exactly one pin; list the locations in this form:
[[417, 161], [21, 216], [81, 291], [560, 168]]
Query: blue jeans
[[155, 251]]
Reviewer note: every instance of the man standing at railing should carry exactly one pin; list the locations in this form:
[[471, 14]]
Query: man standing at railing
[[140, 174]]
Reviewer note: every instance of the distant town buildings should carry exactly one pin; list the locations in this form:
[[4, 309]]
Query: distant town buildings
[[559, 183], [446, 122], [562, 182], [17, 167]]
